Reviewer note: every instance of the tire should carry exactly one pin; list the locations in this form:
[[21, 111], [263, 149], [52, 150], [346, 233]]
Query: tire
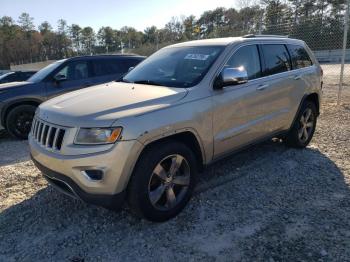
[[19, 121], [151, 196], [302, 131]]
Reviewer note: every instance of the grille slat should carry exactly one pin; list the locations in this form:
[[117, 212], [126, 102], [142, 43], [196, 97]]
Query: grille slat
[[48, 135]]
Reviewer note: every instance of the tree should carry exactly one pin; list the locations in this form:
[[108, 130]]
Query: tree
[[26, 22], [87, 40]]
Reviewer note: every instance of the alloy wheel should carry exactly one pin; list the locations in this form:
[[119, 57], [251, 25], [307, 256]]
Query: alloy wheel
[[169, 182]]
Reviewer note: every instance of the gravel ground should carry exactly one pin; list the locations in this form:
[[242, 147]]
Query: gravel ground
[[266, 203]]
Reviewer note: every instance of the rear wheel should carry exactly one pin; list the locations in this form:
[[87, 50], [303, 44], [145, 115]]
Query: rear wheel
[[163, 181], [19, 121], [304, 127]]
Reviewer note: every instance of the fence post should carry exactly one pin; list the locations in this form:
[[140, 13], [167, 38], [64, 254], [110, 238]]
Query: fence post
[[346, 28]]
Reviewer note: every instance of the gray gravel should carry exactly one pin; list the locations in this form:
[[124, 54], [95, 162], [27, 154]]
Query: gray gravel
[[266, 203]]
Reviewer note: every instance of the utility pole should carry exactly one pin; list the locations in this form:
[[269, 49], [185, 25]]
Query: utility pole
[[346, 28]]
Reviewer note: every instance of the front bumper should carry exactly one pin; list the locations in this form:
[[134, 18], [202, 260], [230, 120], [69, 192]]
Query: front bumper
[[117, 165], [67, 186]]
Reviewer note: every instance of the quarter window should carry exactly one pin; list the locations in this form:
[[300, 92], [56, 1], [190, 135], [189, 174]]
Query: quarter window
[[300, 57], [248, 58], [276, 59]]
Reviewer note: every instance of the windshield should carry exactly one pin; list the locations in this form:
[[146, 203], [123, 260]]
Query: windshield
[[175, 66], [40, 75]]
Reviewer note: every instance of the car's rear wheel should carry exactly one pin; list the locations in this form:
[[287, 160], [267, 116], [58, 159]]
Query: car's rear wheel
[[304, 126], [163, 181], [19, 121]]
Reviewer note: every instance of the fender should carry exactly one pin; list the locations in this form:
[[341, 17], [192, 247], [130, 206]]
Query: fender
[[171, 133]]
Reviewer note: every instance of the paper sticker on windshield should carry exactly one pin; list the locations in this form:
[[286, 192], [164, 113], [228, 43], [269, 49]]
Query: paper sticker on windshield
[[197, 57]]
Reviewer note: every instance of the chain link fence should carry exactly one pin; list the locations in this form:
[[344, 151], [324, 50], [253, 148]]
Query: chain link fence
[[329, 39]]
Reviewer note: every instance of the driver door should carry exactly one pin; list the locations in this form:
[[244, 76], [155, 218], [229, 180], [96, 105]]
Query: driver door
[[239, 110], [73, 76]]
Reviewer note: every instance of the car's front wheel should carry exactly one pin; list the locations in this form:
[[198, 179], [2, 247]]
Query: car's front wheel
[[19, 121], [163, 181], [304, 126]]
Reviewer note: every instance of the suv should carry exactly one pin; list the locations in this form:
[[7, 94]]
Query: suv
[[145, 139], [19, 100], [17, 76]]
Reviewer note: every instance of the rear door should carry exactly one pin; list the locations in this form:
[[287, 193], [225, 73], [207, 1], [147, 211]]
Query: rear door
[[278, 87]]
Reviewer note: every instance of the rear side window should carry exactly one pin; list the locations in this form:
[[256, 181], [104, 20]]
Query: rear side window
[[248, 58], [106, 67], [129, 62], [300, 58], [276, 59]]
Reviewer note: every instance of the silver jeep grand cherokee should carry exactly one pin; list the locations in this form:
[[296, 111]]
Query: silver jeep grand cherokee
[[145, 139]]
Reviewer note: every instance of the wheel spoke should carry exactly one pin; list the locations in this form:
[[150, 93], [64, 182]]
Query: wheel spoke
[[160, 172], [171, 198], [308, 114], [181, 180], [309, 124], [176, 162], [300, 133], [306, 135], [156, 194], [302, 120]]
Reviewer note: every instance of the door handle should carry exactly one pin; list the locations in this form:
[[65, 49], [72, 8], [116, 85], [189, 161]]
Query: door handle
[[262, 87], [297, 77]]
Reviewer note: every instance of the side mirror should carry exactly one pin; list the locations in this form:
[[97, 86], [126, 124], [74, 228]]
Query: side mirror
[[59, 78], [231, 76], [130, 68]]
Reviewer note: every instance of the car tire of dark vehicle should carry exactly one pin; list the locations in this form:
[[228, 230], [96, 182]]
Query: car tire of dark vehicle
[[19, 121], [163, 181], [302, 131]]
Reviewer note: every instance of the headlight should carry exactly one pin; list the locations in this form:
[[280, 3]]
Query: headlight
[[96, 136]]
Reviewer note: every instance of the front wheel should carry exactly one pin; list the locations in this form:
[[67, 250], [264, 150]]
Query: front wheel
[[163, 181], [304, 126], [19, 121]]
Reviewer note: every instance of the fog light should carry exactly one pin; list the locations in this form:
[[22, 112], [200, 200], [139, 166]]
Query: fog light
[[93, 174]]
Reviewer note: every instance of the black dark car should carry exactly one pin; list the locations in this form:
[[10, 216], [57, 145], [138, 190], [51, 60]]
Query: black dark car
[[19, 100], [17, 76]]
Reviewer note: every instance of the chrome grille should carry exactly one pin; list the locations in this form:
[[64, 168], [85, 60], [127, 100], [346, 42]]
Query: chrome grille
[[48, 135]]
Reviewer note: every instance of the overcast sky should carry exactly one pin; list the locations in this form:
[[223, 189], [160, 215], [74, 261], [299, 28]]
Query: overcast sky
[[117, 13]]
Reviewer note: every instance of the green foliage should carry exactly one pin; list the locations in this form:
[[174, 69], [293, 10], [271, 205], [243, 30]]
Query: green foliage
[[318, 22]]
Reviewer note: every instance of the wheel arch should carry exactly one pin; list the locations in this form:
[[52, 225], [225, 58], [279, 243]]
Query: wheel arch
[[13, 104], [313, 97], [187, 137]]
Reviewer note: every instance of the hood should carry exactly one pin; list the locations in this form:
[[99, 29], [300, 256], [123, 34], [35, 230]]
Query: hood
[[101, 105], [10, 85]]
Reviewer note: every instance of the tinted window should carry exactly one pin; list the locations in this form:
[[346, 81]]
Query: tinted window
[[300, 58], [131, 62], [247, 57], [107, 67], [175, 66], [276, 59], [75, 71]]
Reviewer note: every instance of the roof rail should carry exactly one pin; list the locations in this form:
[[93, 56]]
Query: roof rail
[[256, 36]]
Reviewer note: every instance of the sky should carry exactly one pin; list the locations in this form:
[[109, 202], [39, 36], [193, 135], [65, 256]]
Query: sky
[[118, 13]]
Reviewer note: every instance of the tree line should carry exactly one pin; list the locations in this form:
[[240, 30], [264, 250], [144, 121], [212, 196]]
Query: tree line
[[318, 22]]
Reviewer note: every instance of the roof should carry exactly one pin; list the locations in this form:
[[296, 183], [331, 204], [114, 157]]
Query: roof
[[230, 40], [106, 56]]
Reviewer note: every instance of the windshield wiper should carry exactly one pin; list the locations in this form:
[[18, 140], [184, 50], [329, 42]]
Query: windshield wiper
[[147, 82]]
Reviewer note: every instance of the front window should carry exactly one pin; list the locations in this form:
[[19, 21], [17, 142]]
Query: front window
[[175, 66], [40, 75]]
